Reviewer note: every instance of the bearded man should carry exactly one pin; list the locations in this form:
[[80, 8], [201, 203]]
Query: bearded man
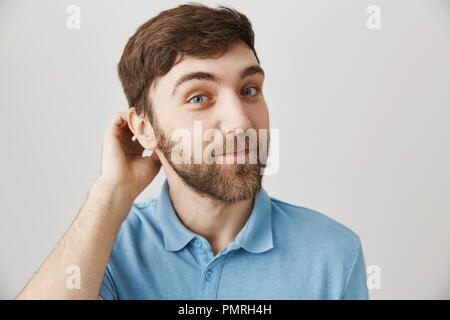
[[214, 232]]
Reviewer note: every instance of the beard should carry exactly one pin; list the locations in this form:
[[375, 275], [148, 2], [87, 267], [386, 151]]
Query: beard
[[225, 182]]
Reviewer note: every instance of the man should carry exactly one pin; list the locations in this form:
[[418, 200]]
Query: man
[[213, 233]]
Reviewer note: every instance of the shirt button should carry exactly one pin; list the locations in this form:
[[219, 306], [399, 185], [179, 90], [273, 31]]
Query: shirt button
[[209, 275], [197, 243]]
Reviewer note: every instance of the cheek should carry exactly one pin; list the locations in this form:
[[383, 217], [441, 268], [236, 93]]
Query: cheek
[[169, 118], [259, 117]]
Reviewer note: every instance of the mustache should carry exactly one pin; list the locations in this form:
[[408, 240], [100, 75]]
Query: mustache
[[236, 148], [254, 145]]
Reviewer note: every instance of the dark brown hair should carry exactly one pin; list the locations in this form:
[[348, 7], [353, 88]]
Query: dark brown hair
[[191, 29]]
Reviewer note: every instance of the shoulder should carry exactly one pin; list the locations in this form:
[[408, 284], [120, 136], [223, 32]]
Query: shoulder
[[140, 222], [314, 228], [141, 211]]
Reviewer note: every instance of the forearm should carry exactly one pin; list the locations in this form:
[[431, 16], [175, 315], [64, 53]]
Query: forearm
[[87, 244]]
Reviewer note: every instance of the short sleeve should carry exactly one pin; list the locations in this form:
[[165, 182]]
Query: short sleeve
[[107, 289], [356, 284]]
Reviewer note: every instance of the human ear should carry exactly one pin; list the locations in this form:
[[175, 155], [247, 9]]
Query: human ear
[[142, 129]]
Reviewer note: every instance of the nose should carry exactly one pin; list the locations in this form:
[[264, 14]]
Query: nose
[[233, 114]]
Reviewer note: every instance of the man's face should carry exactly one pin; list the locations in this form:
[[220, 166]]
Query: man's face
[[221, 95]]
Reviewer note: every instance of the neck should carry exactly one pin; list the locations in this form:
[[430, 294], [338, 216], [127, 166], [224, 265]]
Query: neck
[[217, 221]]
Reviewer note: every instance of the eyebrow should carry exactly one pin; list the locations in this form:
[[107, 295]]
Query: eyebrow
[[200, 75]]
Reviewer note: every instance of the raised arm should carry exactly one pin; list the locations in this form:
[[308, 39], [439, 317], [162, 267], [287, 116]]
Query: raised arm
[[89, 241]]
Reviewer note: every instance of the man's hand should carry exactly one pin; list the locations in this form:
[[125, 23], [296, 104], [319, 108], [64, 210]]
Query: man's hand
[[90, 239], [122, 163]]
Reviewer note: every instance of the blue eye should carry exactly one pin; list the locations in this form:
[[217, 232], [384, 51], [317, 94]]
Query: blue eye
[[249, 91], [197, 99]]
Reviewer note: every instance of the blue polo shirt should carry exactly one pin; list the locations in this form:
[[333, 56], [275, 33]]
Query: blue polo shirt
[[282, 252]]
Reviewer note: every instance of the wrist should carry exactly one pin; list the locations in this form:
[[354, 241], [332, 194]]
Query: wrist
[[114, 198]]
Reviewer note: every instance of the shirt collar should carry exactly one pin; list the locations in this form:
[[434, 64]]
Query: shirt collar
[[255, 236]]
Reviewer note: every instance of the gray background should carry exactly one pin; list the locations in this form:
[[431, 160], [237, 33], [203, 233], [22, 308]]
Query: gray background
[[363, 118]]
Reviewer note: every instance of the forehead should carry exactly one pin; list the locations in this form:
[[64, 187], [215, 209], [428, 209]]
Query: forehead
[[227, 67]]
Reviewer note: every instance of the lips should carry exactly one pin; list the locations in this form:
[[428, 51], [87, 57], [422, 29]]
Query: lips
[[236, 153]]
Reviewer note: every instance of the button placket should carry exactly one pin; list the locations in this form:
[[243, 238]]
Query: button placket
[[209, 275], [209, 278]]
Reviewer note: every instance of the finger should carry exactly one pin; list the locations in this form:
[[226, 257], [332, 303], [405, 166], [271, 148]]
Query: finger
[[119, 119], [119, 124]]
